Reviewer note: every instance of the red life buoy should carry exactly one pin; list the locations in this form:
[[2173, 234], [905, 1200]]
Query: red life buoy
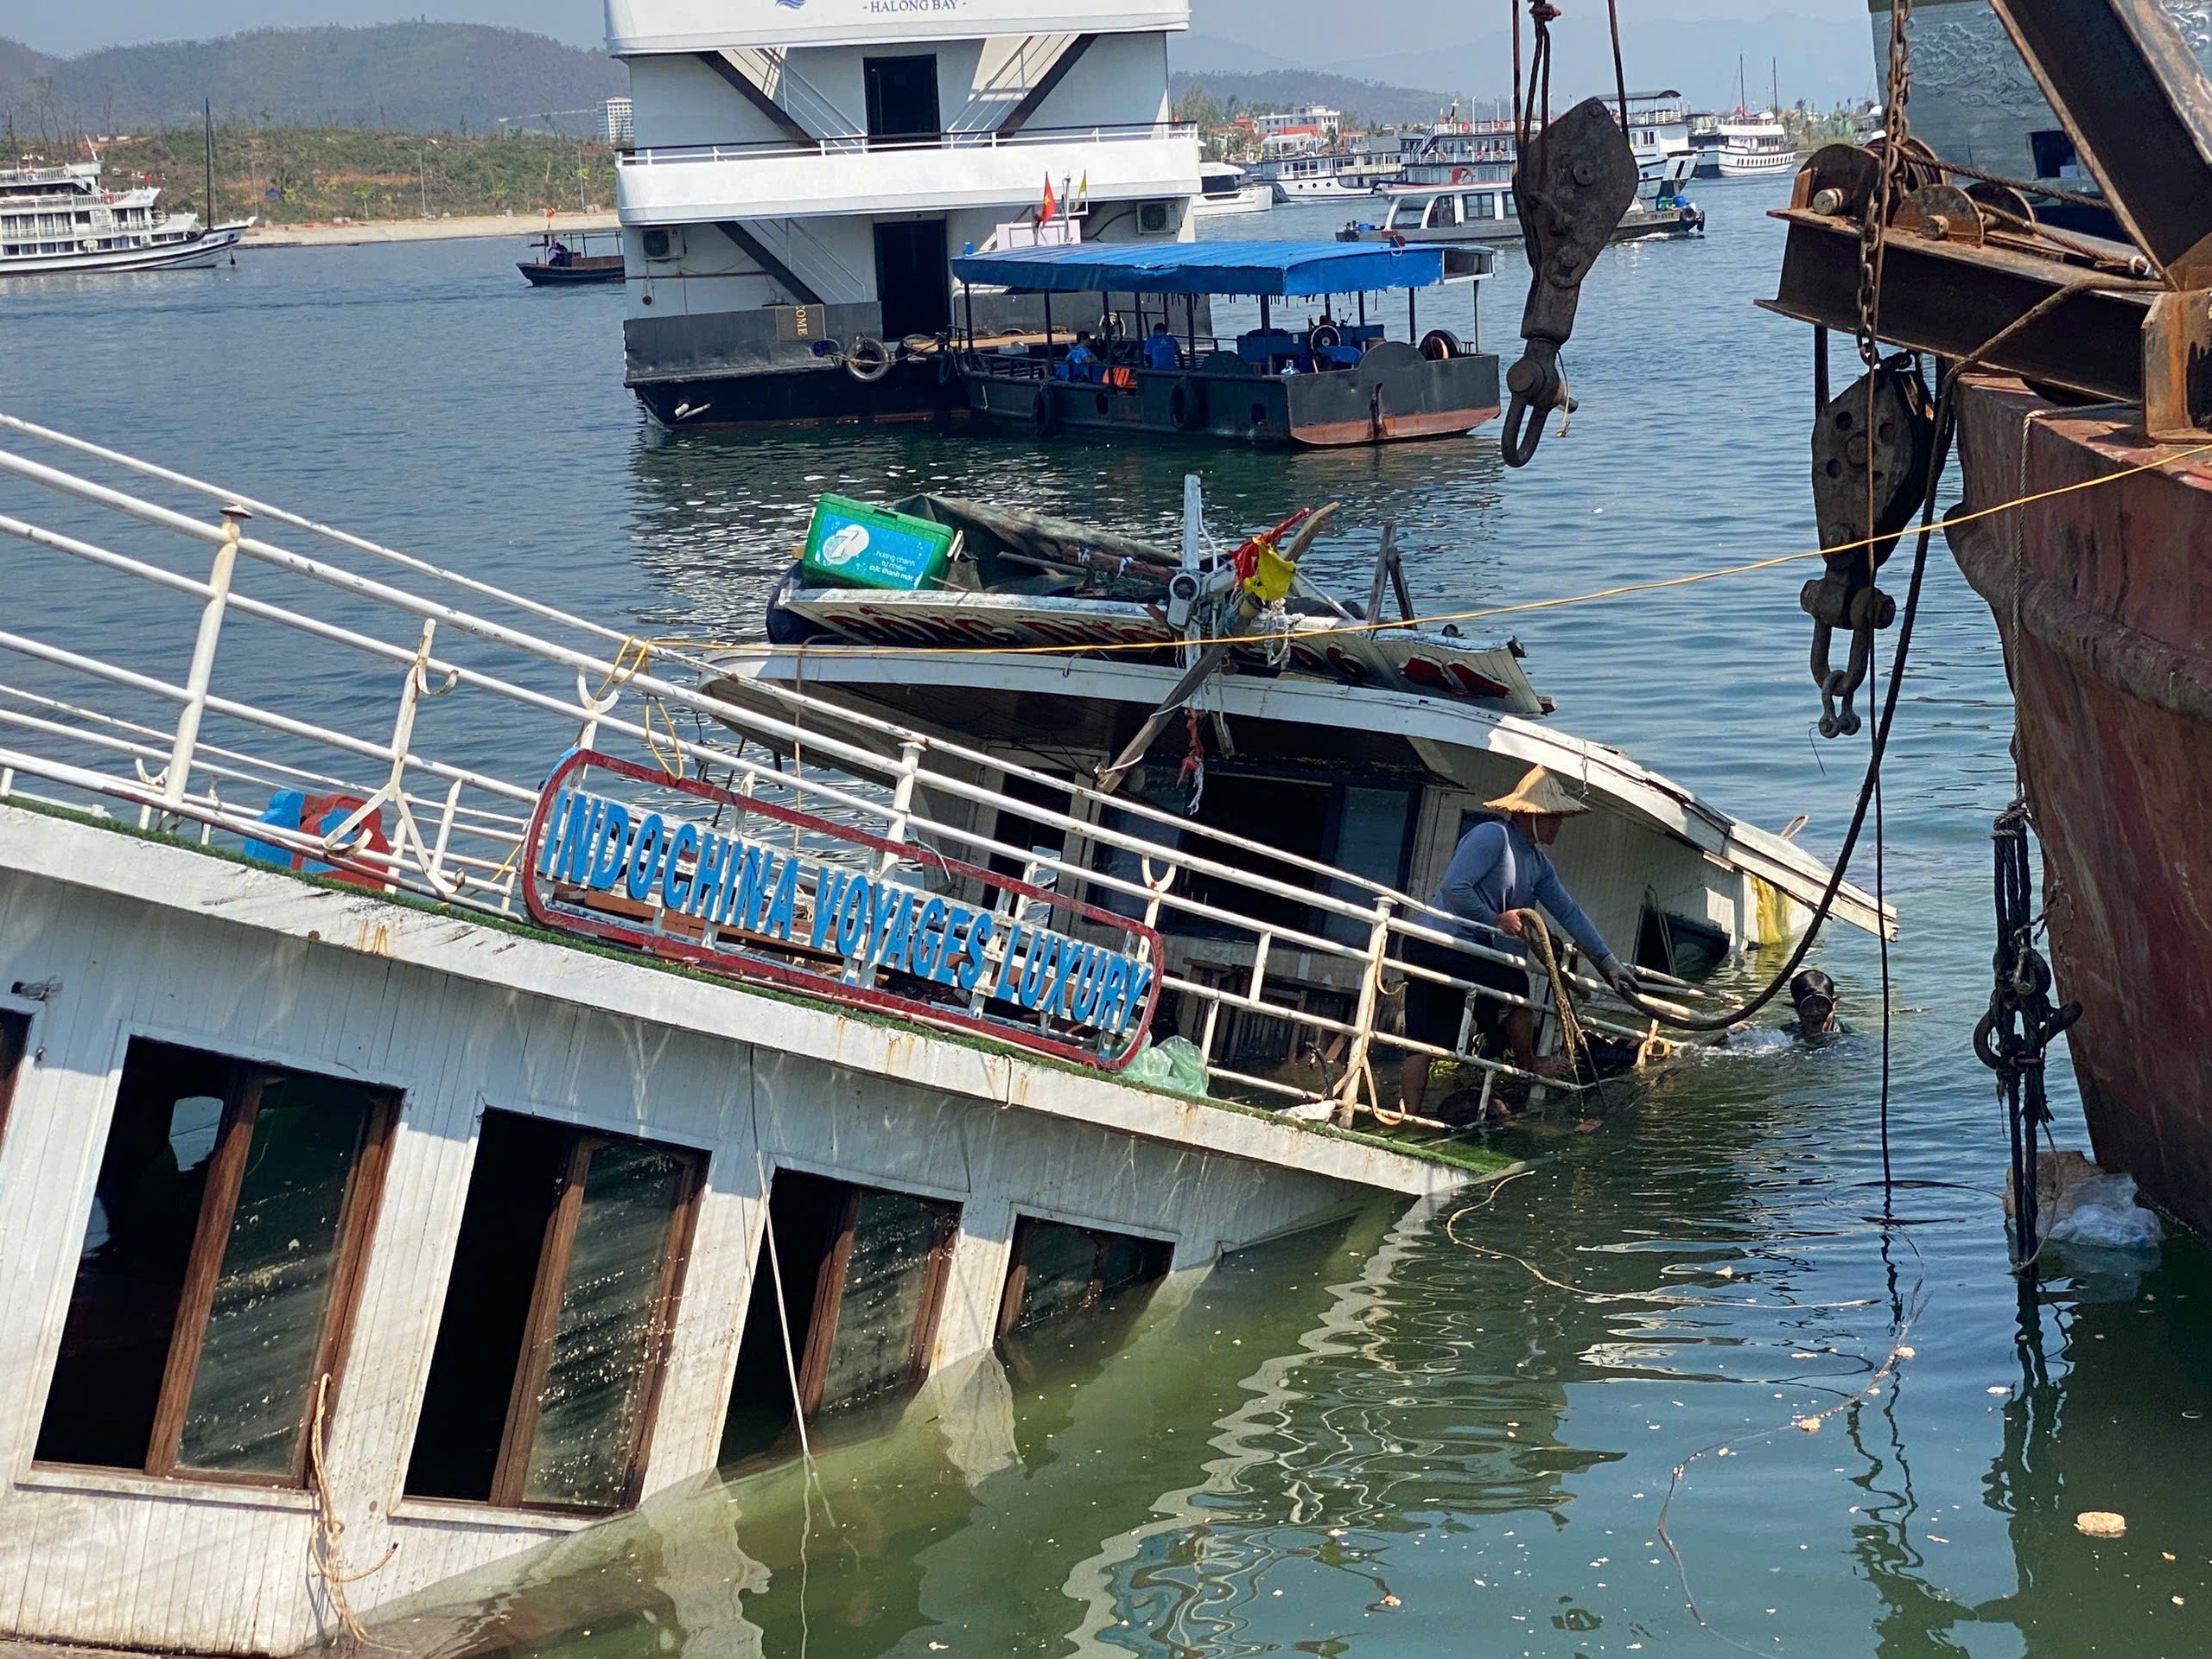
[[323, 813]]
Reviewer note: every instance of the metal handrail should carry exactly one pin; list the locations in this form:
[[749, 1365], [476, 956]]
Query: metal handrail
[[459, 835], [859, 143]]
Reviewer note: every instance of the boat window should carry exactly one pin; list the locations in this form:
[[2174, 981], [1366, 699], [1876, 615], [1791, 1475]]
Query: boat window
[[1374, 839], [1015, 827], [843, 1309], [902, 97], [229, 1220], [1680, 945], [1056, 1270], [1443, 213], [563, 1290], [14, 1037]]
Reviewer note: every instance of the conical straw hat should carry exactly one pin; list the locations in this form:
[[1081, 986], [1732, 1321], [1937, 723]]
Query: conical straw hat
[[1540, 793]]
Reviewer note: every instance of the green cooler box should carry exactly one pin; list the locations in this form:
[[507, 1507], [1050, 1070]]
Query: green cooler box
[[851, 544]]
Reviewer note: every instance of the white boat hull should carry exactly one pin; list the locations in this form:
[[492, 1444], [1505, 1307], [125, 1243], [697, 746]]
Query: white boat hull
[[1756, 166], [1252, 198], [195, 252], [1318, 189]]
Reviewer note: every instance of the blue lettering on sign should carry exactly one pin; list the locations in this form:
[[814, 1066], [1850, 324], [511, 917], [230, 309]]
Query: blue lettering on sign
[[728, 882]]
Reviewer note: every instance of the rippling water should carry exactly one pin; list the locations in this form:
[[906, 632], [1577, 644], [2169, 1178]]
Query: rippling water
[[1460, 1441]]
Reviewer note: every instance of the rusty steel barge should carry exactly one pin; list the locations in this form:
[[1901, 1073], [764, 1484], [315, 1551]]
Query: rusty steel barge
[[2079, 373]]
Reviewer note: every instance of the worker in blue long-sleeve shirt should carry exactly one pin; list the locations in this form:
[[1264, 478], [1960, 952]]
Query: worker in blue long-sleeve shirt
[[1498, 873]]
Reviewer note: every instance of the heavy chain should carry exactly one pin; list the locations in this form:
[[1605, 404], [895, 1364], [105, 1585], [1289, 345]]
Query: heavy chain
[[2011, 1039], [1897, 128]]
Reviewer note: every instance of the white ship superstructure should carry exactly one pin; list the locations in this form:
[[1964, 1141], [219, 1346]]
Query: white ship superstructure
[[1754, 146], [58, 219], [803, 173]]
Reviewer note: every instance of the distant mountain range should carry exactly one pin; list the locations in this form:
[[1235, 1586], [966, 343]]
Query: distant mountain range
[[414, 77]]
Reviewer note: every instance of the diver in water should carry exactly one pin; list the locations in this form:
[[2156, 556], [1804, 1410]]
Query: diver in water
[[1812, 992]]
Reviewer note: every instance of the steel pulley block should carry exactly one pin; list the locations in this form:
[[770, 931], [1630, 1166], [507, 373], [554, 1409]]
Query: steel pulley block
[[1874, 445], [1571, 186]]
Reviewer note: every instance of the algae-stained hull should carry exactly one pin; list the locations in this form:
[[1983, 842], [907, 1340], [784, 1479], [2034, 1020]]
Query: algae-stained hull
[[2103, 596]]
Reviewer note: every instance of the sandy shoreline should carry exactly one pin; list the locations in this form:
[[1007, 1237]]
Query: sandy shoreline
[[519, 225]]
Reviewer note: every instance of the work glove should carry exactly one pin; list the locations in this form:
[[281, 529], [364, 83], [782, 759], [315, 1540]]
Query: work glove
[[1619, 975]]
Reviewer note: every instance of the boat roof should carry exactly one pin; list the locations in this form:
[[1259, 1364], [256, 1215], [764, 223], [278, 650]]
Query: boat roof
[[1277, 269]]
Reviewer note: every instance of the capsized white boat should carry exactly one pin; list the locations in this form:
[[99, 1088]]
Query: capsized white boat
[[1372, 750]]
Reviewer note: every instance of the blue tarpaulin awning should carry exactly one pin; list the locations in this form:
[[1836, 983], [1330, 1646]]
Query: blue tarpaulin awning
[[1279, 269]]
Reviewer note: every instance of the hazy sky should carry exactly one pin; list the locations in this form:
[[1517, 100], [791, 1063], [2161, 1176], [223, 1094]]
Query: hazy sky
[[1804, 33]]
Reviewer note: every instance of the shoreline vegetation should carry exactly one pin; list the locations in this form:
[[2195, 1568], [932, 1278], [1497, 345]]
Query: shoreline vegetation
[[299, 176]]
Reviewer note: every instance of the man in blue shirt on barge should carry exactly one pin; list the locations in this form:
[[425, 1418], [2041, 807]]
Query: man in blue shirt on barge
[[1497, 872]]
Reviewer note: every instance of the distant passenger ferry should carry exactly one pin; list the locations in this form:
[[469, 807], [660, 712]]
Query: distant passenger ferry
[[1754, 146], [58, 219]]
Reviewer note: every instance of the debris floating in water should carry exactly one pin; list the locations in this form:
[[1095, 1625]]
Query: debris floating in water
[[2100, 1524]]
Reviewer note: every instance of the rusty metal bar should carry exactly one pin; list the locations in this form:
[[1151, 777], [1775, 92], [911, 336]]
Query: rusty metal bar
[[1952, 299]]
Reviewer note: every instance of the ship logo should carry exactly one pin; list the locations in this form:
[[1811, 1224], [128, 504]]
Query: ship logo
[[791, 5], [849, 542]]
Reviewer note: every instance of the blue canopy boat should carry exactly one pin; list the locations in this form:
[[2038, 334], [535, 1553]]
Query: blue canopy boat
[[1322, 372]]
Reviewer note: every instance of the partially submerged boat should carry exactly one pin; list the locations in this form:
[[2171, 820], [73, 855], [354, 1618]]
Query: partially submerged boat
[[1332, 739], [1334, 378], [436, 1086]]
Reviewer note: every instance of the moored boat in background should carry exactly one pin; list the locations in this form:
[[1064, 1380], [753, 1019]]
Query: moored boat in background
[[56, 219]]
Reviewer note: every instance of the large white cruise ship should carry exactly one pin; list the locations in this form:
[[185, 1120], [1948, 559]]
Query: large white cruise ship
[[804, 170], [58, 219]]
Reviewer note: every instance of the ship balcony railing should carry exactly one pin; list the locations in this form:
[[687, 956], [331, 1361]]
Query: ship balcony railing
[[238, 652], [863, 144], [784, 180]]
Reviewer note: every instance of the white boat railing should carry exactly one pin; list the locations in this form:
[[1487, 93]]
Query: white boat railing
[[424, 707], [859, 144]]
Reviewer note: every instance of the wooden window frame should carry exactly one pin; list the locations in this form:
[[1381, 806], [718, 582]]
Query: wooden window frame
[[15, 1043], [830, 1295], [218, 1207], [511, 1468], [1017, 1273]]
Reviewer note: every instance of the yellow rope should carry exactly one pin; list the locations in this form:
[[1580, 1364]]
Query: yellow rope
[[1305, 635], [1571, 1035]]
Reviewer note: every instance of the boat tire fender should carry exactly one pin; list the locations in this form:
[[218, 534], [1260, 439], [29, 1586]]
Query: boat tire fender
[[787, 627], [867, 360], [1441, 345], [1043, 413], [1186, 404]]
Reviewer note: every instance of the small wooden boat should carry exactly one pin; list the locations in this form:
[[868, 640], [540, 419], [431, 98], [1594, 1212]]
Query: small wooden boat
[[559, 264]]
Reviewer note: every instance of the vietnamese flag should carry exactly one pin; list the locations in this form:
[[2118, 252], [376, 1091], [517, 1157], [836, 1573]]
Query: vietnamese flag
[[1045, 214]]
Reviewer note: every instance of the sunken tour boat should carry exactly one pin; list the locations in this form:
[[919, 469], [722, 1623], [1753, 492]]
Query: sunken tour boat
[[453, 1095]]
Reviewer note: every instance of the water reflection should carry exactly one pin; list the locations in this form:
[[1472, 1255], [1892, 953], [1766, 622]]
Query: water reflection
[[956, 1518]]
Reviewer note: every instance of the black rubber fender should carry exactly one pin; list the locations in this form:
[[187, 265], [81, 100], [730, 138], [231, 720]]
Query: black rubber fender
[[1186, 404]]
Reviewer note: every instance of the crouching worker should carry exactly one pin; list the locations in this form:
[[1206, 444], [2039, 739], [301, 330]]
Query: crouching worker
[[1497, 872]]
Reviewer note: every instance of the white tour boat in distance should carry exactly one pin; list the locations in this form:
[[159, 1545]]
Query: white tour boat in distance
[[58, 219], [1754, 146], [1225, 189]]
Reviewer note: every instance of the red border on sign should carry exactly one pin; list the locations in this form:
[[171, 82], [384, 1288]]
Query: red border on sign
[[762, 971]]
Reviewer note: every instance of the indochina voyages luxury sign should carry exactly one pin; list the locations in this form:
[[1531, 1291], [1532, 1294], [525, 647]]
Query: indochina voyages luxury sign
[[968, 951]]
